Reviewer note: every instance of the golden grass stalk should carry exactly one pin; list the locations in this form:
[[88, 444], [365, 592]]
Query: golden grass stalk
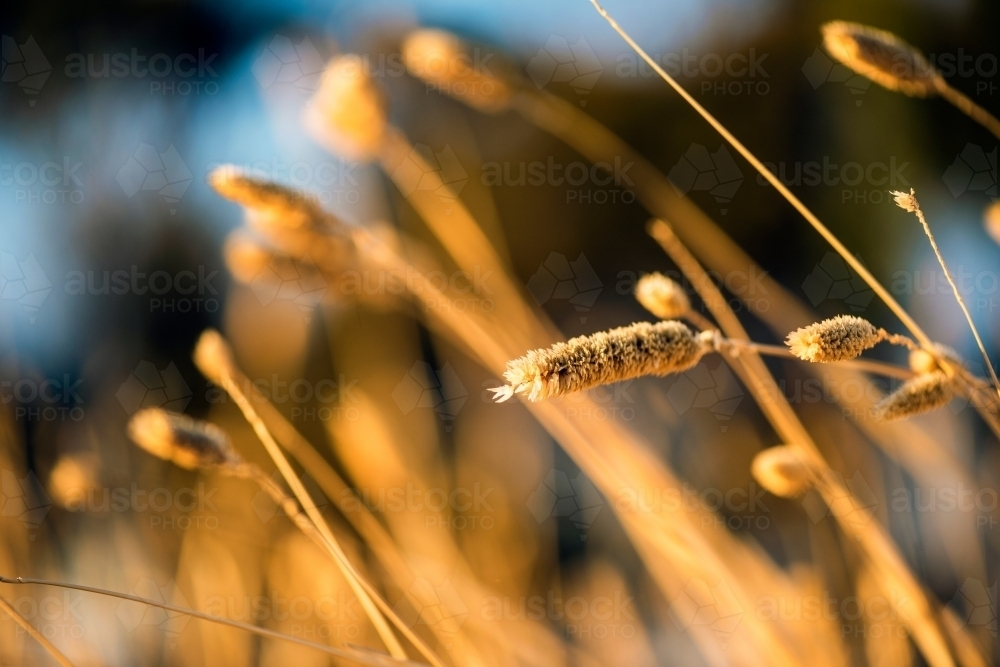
[[782, 471], [902, 588], [923, 393], [811, 218], [356, 655], [908, 202], [604, 357], [890, 62], [215, 360], [32, 632]]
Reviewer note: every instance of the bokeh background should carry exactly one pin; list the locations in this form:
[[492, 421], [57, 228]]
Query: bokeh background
[[111, 265]]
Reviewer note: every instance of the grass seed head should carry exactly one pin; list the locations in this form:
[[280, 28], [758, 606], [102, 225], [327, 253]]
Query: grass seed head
[[604, 357], [245, 256], [782, 471], [348, 113], [662, 296], [920, 394], [213, 356], [442, 60], [837, 339], [882, 57], [991, 221], [188, 443]]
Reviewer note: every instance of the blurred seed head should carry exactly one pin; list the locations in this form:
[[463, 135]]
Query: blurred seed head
[[991, 221], [924, 361], [923, 393], [348, 112], [882, 57], [443, 61], [607, 356], [782, 471], [662, 296], [245, 256], [214, 356], [188, 443], [72, 478], [285, 206], [837, 339]]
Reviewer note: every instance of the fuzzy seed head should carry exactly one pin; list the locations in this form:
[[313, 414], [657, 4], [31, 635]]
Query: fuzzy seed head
[[837, 339], [213, 356], [662, 296], [882, 57], [348, 112], [920, 394], [284, 206], [186, 442], [782, 471], [602, 358], [442, 60], [906, 200]]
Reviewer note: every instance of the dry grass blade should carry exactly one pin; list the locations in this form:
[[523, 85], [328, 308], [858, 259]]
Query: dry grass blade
[[909, 203], [363, 657], [31, 631], [842, 250]]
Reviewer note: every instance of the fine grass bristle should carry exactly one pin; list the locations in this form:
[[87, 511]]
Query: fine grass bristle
[[782, 471], [882, 57], [837, 339], [923, 393], [446, 63], [662, 296], [186, 442], [602, 358], [348, 113]]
